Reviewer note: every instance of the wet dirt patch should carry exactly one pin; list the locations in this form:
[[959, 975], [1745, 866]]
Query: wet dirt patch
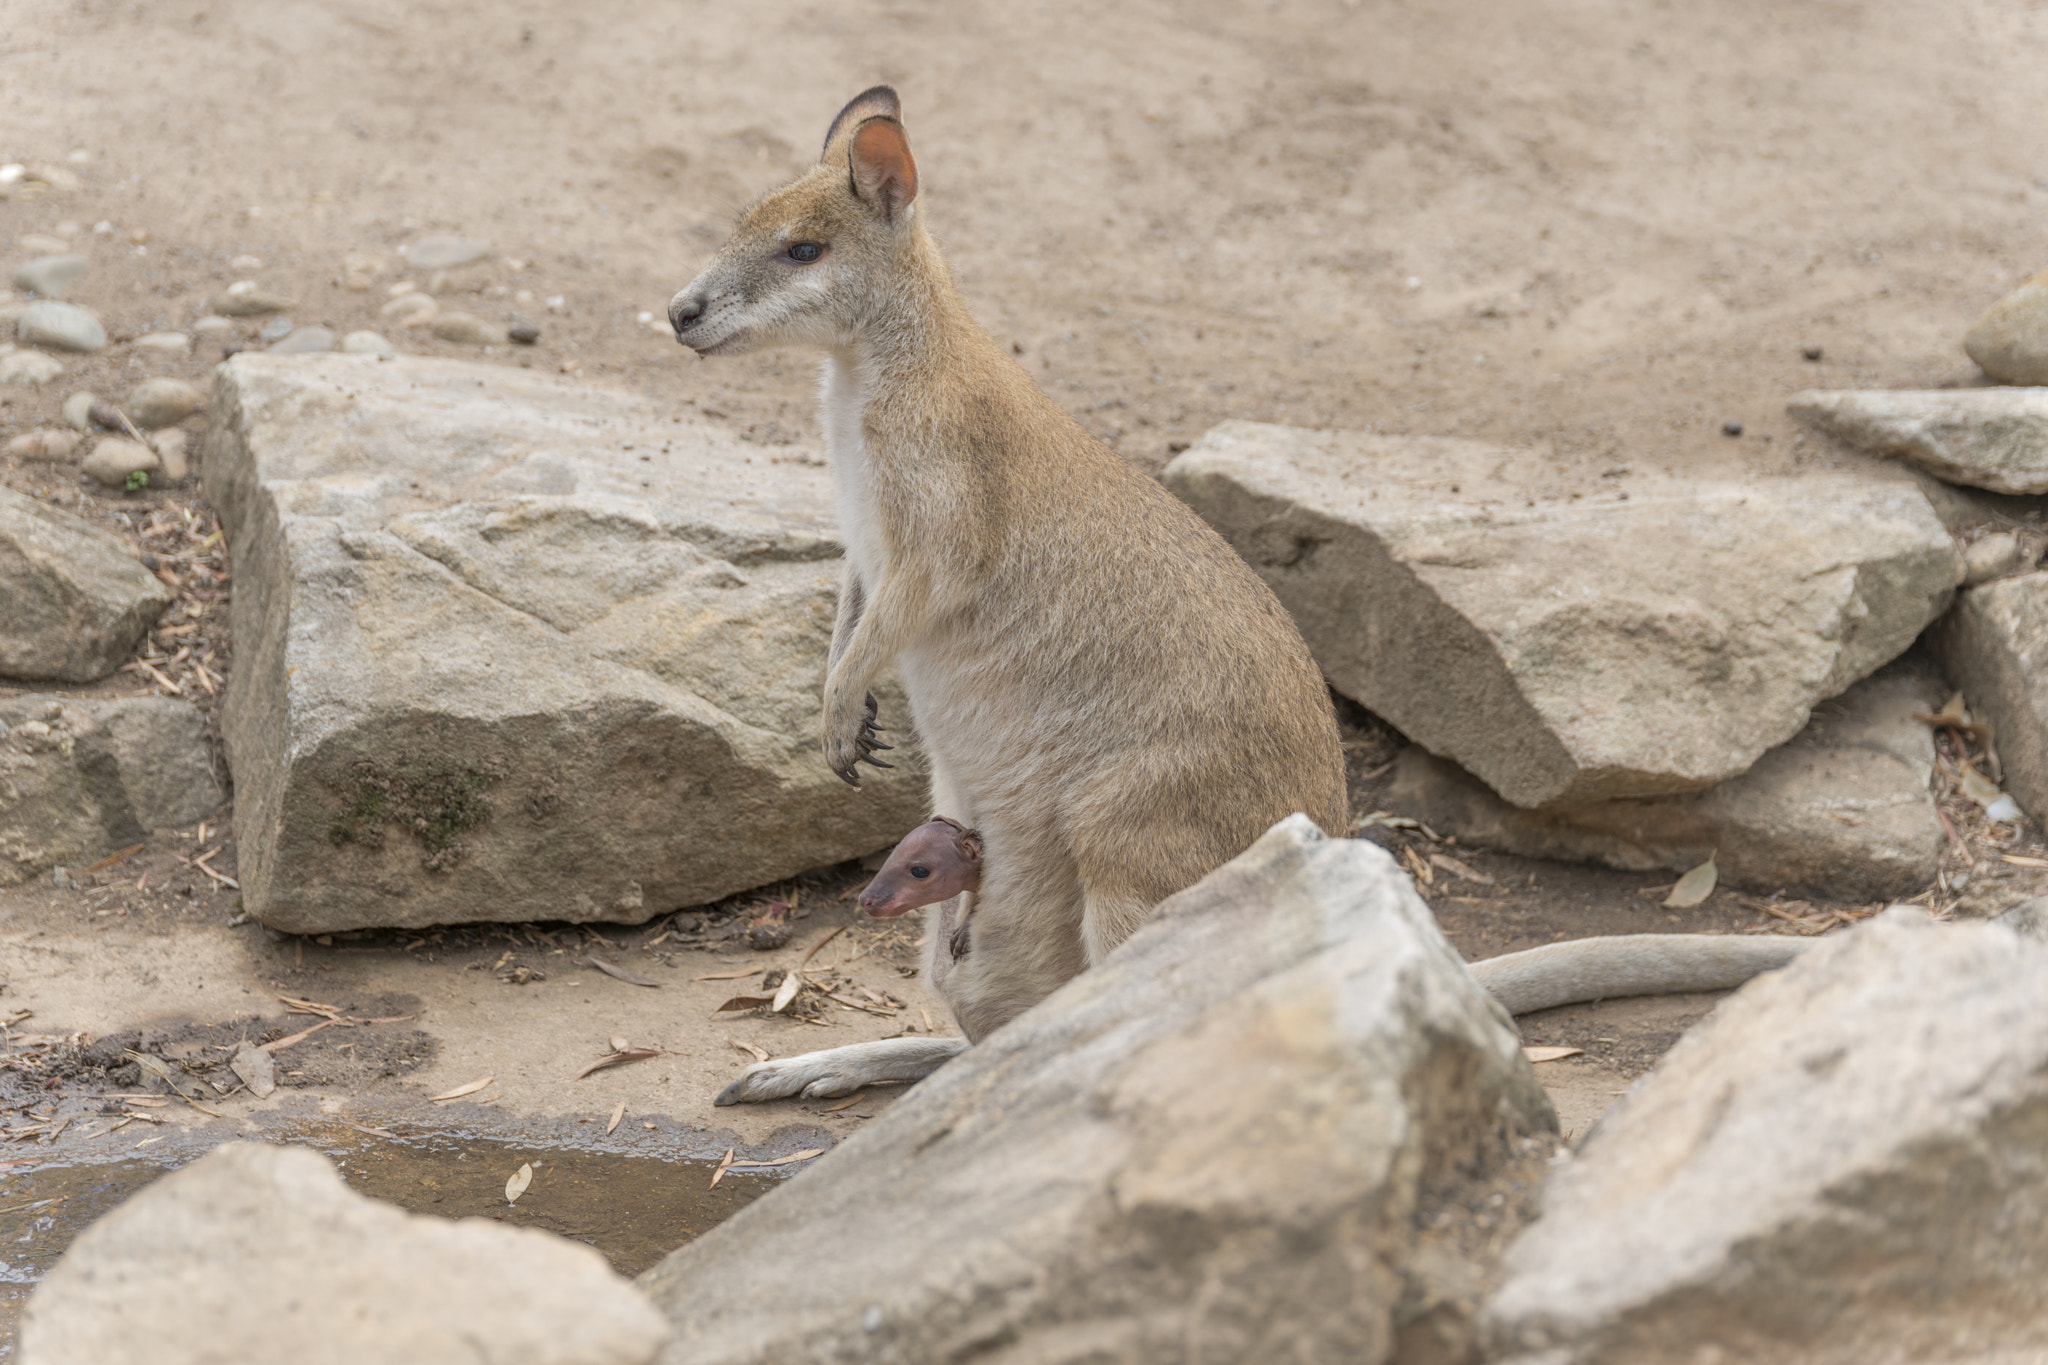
[[350, 1050]]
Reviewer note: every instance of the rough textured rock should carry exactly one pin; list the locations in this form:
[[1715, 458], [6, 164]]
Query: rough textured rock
[[80, 779], [1212, 1148], [1994, 646], [268, 1256], [1655, 636], [1986, 438], [508, 648], [1843, 1166], [73, 601], [1841, 811], [2010, 342]]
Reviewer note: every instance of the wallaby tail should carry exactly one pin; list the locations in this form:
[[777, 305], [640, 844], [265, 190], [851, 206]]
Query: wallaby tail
[[1629, 964]]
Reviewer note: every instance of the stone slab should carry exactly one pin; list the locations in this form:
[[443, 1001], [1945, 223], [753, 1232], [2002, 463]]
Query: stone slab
[[1649, 636], [74, 601], [510, 647], [1995, 439]]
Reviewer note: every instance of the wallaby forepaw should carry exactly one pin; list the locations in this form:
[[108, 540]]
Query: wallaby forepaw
[[856, 743]]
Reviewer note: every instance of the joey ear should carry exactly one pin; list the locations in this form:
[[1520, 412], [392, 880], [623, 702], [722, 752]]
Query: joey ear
[[970, 845], [878, 156], [876, 101]]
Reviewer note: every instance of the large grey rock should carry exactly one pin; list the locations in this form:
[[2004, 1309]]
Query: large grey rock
[[2010, 342], [1985, 438], [1215, 1147], [1638, 638], [1846, 1165], [508, 648], [1994, 646], [73, 601], [82, 778], [265, 1254], [1841, 811]]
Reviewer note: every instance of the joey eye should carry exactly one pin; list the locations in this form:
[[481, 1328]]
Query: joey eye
[[920, 872], [805, 252]]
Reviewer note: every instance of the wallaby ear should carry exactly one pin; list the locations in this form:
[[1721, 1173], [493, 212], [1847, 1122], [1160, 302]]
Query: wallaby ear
[[878, 155], [880, 101]]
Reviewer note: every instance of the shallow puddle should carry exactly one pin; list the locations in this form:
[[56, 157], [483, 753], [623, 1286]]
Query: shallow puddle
[[633, 1209]]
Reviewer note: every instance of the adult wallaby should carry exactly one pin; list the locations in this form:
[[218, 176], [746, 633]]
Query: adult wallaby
[[1104, 690]]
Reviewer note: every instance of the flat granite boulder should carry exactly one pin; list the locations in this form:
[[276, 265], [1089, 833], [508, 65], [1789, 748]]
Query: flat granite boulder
[[1243, 1137], [73, 601], [1640, 637], [1985, 438], [1847, 1164], [1841, 811], [510, 648]]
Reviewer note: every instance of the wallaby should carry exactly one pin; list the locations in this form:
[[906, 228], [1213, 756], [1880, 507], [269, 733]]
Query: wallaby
[[1103, 688], [934, 862]]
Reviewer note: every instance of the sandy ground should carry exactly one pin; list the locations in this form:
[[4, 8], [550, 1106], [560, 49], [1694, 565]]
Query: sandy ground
[[1597, 230]]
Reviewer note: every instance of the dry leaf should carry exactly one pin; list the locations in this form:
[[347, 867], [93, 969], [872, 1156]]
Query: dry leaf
[[1979, 788], [630, 978], [617, 1114], [1459, 869], [256, 1069], [459, 1091], [619, 1043], [516, 1186], [727, 976], [2023, 861], [789, 1160], [745, 1002], [1550, 1054], [844, 1104], [1417, 868], [786, 992], [1694, 887], [631, 1054], [724, 1165], [759, 1054]]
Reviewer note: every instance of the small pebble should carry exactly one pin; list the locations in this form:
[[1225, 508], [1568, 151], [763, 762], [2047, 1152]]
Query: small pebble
[[276, 329], [50, 276], [105, 414], [115, 458], [1731, 428], [161, 402], [2010, 342], [65, 326], [243, 299], [212, 323], [445, 253], [303, 341], [468, 329], [525, 333], [42, 244], [1812, 353], [410, 310], [31, 369], [51, 445], [170, 343], [367, 343], [169, 445], [246, 263], [78, 410], [1991, 556], [60, 877]]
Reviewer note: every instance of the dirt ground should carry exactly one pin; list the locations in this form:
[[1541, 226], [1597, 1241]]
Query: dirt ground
[[1596, 230]]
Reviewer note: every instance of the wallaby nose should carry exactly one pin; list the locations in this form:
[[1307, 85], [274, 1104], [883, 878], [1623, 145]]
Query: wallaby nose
[[683, 312]]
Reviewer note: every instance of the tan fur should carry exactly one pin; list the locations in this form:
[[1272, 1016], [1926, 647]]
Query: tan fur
[[1104, 689]]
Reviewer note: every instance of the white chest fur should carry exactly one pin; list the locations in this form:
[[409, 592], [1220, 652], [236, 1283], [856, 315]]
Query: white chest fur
[[845, 400]]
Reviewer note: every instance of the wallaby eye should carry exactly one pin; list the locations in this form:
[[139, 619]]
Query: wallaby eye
[[920, 872], [805, 252]]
